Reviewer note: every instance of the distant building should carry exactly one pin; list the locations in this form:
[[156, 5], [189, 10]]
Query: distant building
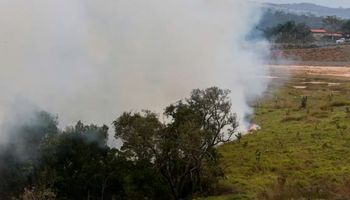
[[333, 36], [323, 34], [318, 34]]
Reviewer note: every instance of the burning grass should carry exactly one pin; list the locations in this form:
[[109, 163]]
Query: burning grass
[[299, 153]]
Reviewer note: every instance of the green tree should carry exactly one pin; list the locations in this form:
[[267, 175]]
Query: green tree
[[333, 23], [20, 157], [183, 149], [290, 32], [77, 164], [346, 26]]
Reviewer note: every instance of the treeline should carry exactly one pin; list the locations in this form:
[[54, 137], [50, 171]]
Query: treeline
[[175, 159], [290, 33], [293, 34], [336, 24], [272, 18]]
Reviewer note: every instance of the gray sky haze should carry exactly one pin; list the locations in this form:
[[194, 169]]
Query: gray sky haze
[[329, 3]]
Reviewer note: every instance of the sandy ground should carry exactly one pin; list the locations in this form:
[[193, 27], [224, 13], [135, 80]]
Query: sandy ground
[[335, 71], [338, 55]]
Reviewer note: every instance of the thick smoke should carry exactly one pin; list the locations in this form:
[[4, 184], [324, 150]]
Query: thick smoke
[[91, 60]]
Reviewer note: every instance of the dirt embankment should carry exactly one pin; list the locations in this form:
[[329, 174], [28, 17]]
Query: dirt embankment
[[330, 56]]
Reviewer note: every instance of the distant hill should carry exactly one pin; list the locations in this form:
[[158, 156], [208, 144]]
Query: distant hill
[[308, 13], [272, 17], [309, 9]]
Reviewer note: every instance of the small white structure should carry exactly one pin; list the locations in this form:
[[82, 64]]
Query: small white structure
[[340, 41]]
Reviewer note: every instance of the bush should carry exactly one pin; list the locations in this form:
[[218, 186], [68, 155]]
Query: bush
[[292, 118], [340, 103], [34, 194]]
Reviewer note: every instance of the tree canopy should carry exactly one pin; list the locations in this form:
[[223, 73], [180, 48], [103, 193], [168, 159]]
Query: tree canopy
[[346, 26], [171, 159], [333, 23], [290, 32], [183, 149]]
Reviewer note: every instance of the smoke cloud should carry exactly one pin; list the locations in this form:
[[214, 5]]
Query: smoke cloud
[[91, 60]]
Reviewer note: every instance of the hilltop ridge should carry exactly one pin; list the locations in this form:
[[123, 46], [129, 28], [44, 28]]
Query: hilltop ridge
[[310, 9]]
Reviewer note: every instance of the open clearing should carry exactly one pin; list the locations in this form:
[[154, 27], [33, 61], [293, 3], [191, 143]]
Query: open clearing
[[338, 55], [300, 153], [298, 70]]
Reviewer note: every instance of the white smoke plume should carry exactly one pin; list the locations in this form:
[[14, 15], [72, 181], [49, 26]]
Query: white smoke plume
[[91, 60]]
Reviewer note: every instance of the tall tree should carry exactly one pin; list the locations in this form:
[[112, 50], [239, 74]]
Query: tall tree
[[346, 26], [75, 163], [20, 157], [333, 23], [290, 32], [182, 150]]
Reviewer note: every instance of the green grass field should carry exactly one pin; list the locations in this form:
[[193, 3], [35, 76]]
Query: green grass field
[[300, 153]]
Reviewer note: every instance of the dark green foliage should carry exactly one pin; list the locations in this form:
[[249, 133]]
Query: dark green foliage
[[273, 18], [72, 159], [173, 160], [303, 102], [183, 150], [333, 23], [20, 156], [74, 164], [239, 136], [290, 32], [340, 103], [346, 26]]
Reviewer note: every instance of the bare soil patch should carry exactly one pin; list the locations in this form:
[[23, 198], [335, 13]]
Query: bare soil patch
[[323, 56], [335, 71]]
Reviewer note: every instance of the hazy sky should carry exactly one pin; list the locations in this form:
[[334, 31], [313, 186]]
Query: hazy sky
[[331, 3]]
